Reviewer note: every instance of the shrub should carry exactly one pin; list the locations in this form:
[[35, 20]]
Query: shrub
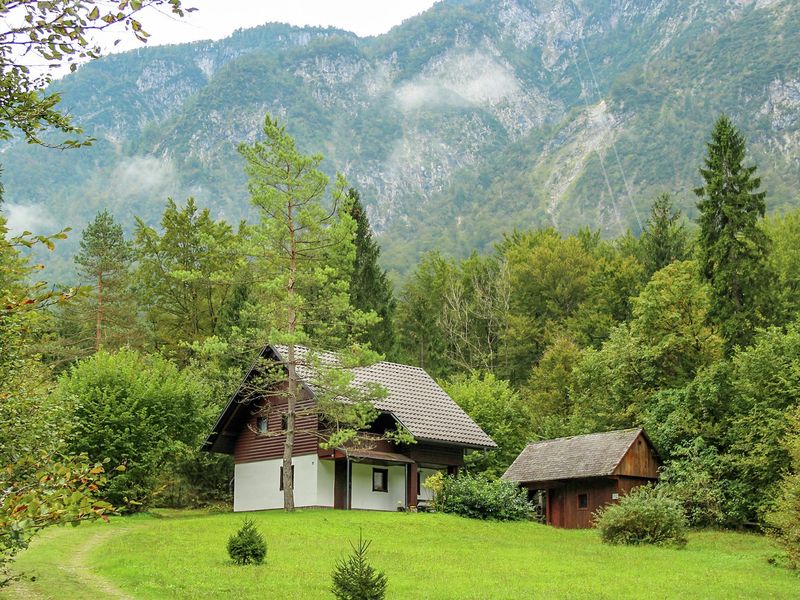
[[136, 410], [480, 498], [785, 519], [355, 579], [247, 546], [647, 515]]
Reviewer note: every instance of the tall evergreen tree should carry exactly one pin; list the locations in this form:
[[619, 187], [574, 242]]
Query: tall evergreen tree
[[370, 288], [104, 259], [733, 249], [664, 239]]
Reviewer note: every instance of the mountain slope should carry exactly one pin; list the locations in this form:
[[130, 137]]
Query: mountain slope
[[466, 121]]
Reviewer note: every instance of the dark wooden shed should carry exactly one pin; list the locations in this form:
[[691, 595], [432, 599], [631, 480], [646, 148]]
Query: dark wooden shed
[[579, 474]]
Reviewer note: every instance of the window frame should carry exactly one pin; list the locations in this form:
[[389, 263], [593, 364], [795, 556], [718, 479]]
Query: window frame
[[262, 424], [280, 478], [385, 473], [584, 495]]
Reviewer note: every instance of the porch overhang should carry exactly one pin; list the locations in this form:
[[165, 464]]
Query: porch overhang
[[367, 455]]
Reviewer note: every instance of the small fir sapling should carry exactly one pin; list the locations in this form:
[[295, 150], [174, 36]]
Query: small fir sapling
[[247, 546], [355, 579]]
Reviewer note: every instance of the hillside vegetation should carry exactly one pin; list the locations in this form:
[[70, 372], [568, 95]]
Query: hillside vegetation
[[457, 125]]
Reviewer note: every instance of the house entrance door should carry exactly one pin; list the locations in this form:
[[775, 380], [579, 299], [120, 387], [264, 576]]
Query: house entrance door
[[340, 484]]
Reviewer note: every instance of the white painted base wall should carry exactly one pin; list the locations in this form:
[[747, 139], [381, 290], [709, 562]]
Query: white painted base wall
[[257, 484], [361, 485]]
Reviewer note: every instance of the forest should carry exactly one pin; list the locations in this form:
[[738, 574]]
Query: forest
[[690, 330]]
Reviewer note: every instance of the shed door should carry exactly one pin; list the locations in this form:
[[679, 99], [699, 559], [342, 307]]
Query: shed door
[[555, 507]]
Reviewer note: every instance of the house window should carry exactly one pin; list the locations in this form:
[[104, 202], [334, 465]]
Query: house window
[[280, 485], [261, 424], [583, 501], [284, 422], [380, 480]]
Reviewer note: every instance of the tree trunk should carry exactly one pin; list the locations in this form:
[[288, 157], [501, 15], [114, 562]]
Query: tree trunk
[[291, 404], [98, 330]]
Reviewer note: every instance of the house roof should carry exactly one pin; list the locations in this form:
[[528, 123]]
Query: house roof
[[591, 455], [413, 398]]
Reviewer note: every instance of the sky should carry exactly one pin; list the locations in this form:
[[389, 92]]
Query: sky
[[215, 19]]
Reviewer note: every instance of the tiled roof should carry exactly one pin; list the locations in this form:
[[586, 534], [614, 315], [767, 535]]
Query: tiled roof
[[413, 398], [591, 455]]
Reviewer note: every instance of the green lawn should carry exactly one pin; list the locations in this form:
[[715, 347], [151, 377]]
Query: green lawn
[[183, 555]]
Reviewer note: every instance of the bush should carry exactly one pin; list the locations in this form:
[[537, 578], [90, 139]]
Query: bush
[[480, 498], [247, 546], [356, 579], [646, 515], [785, 519], [137, 410]]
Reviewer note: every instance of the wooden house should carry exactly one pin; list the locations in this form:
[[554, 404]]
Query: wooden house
[[577, 475], [380, 476]]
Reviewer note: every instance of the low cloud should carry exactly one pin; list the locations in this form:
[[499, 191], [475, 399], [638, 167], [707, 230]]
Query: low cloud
[[144, 173], [473, 78], [27, 217]]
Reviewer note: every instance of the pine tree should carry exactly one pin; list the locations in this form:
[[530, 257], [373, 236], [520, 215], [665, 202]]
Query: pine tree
[[664, 239], [302, 253], [733, 249], [104, 260], [370, 288], [356, 579]]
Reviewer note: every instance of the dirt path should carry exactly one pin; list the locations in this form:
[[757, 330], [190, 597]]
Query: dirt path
[[77, 568]]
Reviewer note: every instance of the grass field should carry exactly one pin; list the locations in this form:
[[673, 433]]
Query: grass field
[[183, 555]]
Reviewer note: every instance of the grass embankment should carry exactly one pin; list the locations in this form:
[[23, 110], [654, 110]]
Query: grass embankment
[[183, 555]]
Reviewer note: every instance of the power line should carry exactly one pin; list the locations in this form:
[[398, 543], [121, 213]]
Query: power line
[[599, 156], [613, 142]]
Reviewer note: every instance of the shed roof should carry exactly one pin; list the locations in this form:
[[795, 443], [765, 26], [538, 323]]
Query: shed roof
[[413, 398], [580, 456]]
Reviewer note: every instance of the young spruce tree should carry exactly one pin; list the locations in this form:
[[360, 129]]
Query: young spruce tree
[[664, 239], [355, 579], [302, 253], [733, 249], [370, 288]]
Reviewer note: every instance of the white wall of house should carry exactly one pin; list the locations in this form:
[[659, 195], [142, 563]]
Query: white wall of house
[[425, 493], [325, 482], [257, 484], [361, 485]]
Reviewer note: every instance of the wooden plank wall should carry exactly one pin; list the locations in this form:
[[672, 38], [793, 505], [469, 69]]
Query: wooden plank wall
[[251, 447], [639, 461], [435, 454], [599, 494]]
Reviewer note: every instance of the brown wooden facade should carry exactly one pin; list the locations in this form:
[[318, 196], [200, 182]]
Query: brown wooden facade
[[251, 445]]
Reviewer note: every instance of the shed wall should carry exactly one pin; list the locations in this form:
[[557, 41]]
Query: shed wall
[[639, 461]]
